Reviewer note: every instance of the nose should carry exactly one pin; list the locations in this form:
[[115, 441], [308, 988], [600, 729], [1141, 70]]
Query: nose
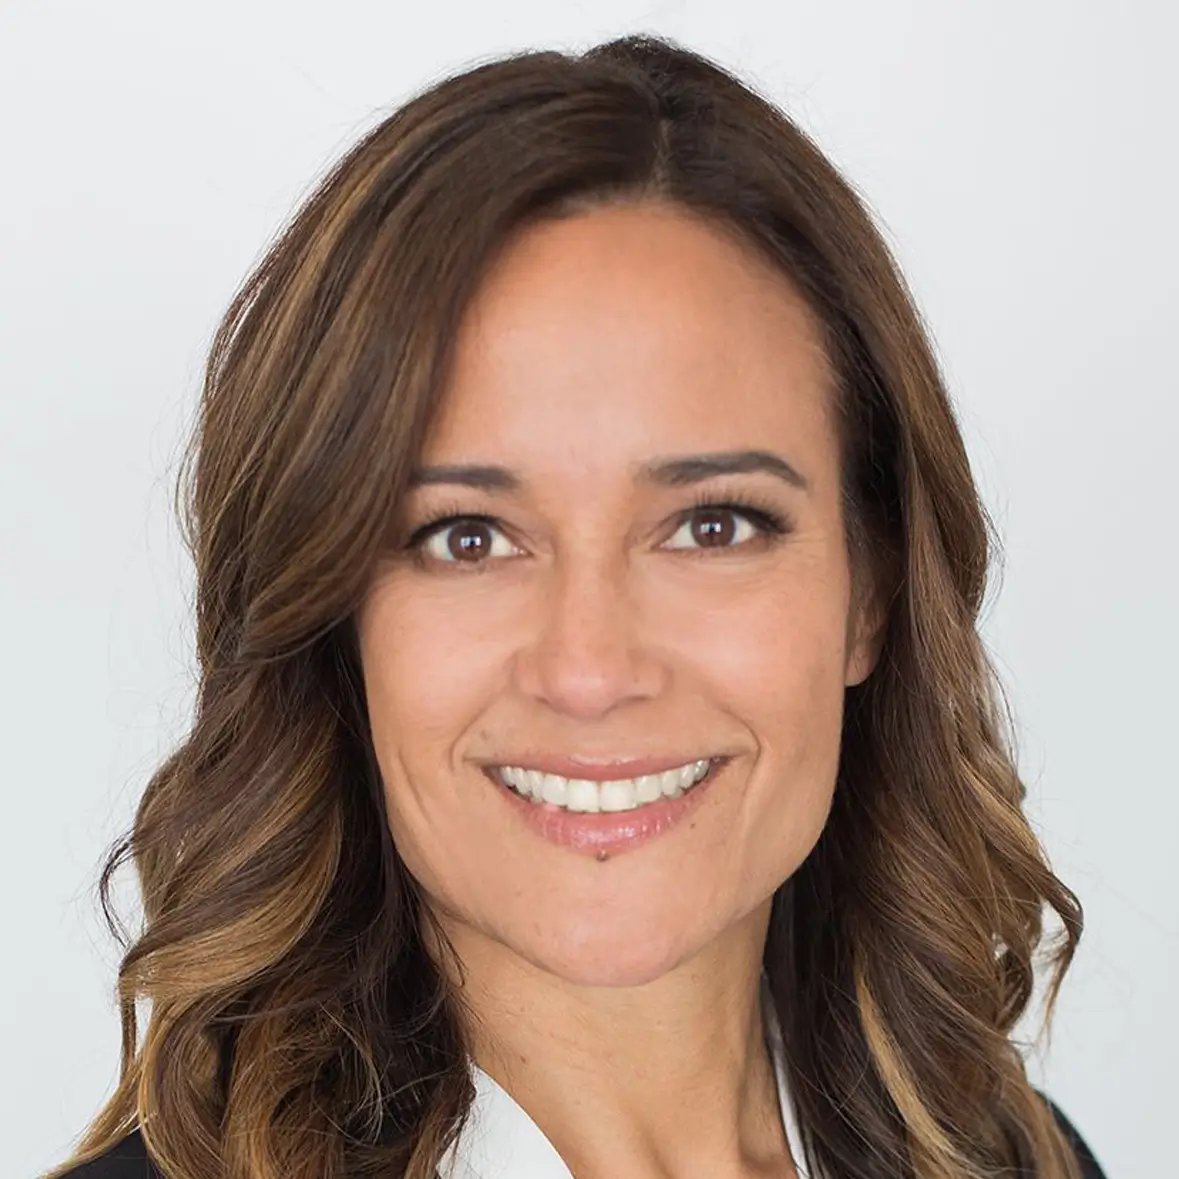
[[587, 656]]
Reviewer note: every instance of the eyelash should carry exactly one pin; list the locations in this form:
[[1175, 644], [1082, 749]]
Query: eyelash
[[763, 515]]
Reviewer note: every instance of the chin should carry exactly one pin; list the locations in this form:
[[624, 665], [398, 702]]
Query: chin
[[604, 972], [592, 956]]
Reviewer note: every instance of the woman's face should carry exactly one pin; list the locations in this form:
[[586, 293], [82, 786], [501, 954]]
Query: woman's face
[[598, 613]]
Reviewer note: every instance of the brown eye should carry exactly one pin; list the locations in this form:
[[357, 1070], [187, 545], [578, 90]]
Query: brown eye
[[468, 542], [464, 541], [713, 528], [716, 528]]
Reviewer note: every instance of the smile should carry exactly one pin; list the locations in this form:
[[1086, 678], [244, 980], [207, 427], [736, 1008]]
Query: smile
[[612, 795]]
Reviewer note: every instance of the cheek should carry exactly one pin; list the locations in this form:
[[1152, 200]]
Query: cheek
[[422, 673], [774, 650], [776, 664], [421, 695], [773, 657]]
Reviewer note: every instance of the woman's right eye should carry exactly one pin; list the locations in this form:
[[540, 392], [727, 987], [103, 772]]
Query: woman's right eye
[[461, 540]]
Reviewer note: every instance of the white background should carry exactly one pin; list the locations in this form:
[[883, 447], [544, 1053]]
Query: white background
[[1021, 157]]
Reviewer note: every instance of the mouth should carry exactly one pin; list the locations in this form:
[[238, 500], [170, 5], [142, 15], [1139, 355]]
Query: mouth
[[610, 795]]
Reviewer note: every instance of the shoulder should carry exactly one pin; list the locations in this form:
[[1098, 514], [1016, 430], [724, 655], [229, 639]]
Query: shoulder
[[1090, 1168], [127, 1159]]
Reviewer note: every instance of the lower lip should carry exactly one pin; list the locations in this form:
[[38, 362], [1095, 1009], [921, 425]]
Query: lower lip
[[610, 831]]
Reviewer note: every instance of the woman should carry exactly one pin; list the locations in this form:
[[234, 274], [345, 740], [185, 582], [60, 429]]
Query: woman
[[596, 767]]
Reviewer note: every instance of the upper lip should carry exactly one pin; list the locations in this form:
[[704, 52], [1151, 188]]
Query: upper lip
[[599, 769]]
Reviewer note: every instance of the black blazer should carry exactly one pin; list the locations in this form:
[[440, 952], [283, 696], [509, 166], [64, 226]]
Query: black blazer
[[127, 1159]]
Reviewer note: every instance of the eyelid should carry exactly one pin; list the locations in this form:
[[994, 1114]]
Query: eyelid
[[415, 546], [448, 518], [760, 509], [768, 526]]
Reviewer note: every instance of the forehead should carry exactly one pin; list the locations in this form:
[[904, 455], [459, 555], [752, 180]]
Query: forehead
[[629, 329]]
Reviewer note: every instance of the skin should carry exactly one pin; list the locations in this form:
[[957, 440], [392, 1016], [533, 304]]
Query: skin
[[616, 998]]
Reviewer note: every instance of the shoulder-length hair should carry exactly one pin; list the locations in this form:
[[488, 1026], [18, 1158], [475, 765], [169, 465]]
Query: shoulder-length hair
[[298, 1028]]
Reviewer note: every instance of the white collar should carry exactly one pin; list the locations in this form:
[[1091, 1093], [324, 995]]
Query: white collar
[[500, 1140]]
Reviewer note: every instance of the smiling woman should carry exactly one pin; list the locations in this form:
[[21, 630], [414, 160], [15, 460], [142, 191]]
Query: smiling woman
[[596, 767], [591, 617]]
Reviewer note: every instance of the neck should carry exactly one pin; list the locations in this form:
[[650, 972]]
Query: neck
[[671, 1077]]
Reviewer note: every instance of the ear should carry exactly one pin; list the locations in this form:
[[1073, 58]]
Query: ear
[[867, 627]]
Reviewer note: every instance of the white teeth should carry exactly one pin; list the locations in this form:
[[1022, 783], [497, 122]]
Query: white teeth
[[583, 796], [553, 789], [619, 794], [647, 788], [669, 784]]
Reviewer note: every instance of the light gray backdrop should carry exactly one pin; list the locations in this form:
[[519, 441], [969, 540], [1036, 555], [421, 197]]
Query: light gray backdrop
[[1021, 157]]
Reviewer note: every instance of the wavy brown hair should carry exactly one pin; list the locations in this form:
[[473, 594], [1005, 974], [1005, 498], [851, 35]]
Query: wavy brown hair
[[298, 1027]]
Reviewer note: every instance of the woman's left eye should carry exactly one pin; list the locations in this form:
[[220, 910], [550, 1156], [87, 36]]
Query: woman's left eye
[[725, 526]]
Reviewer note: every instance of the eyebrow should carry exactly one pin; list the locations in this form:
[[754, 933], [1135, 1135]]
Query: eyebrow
[[668, 472]]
